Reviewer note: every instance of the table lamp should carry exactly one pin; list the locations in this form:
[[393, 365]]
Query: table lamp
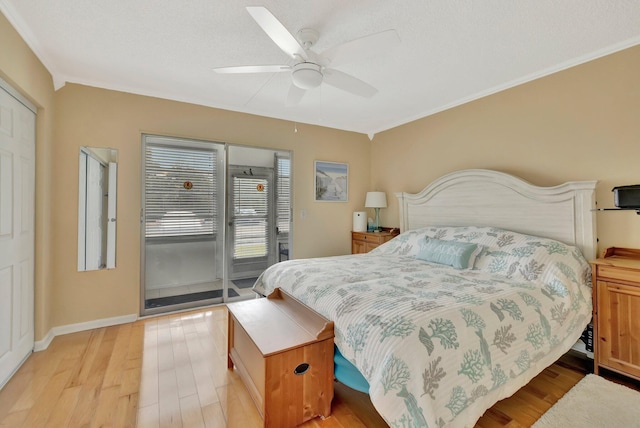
[[376, 200]]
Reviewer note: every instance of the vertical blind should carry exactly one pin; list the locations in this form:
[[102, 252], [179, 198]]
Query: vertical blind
[[283, 193], [180, 191]]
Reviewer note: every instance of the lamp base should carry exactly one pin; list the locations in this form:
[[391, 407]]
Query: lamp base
[[377, 229]]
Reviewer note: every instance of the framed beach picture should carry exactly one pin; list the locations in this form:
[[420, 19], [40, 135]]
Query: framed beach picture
[[332, 181]]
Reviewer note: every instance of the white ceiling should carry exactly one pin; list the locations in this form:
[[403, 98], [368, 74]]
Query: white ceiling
[[451, 51]]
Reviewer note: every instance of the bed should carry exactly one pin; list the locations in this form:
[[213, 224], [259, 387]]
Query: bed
[[486, 286]]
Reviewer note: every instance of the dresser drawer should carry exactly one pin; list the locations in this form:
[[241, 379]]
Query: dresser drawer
[[363, 242], [617, 273], [368, 237]]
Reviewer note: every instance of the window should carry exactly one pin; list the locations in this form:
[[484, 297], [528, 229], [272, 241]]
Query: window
[[180, 191], [251, 213]]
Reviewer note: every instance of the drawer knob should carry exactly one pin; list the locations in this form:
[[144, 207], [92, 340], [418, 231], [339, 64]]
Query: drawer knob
[[301, 369]]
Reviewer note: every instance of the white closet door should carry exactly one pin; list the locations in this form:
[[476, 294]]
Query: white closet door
[[17, 189]]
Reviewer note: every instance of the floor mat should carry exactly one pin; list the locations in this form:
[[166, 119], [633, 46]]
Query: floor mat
[[594, 402], [244, 283], [185, 298]]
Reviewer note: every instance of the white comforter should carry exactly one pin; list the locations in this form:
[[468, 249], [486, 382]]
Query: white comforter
[[440, 345]]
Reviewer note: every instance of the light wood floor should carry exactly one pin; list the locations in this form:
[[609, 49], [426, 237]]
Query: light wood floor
[[170, 371]]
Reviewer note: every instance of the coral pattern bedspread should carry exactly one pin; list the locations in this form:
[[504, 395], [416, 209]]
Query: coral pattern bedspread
[[440, 345]]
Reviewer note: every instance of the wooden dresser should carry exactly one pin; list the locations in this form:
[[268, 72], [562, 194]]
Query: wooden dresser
[[283, 352], [616, 311], [363, 242]]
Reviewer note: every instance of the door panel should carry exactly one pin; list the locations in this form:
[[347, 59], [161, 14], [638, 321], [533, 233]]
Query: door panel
[[618, 306], [251, 221], [6, 309], [17, 188], [228, 239], [182, 223]]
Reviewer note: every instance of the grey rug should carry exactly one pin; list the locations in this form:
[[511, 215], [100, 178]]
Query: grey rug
[[244, 283], [595, 403], [186, 298]]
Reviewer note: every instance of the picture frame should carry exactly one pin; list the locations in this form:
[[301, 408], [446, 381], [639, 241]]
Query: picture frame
[[331, 182]]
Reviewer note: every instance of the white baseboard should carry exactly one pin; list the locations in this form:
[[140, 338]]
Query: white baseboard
[[43, 344]]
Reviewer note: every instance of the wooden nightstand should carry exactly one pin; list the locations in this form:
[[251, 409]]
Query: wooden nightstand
[[363, 242], [616, 311]]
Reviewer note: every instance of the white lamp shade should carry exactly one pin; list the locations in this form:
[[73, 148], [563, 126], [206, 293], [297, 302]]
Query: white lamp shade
[[376, 200]]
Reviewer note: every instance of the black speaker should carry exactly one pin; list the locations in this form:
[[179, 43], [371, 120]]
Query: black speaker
[[587, 338], [627, 196]]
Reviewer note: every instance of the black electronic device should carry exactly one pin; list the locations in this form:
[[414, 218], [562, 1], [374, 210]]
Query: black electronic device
[[627, 196]]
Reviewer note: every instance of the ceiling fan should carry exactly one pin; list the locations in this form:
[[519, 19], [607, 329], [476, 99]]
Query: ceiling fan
[[311, 69]]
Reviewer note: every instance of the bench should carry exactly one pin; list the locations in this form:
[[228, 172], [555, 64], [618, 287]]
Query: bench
[[283, 352]]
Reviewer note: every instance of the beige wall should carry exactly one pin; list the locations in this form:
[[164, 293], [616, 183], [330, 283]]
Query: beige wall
[[102, 118], [579, 124], [22, 69]]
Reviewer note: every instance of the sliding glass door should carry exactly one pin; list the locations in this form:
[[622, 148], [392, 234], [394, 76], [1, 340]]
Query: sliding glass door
[[183, 223], [214, 217]]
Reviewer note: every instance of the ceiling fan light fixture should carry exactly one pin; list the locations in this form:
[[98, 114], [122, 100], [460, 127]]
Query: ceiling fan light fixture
[[306, 75]]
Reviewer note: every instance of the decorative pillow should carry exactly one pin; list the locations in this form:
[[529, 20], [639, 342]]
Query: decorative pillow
[[501, 252], [519, 256], [460, 255]]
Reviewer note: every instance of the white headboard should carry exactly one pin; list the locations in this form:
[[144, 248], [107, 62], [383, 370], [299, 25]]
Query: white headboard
[[478, 197]]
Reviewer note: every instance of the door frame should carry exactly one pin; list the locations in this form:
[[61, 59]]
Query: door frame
[[219, 257], [271, 236]]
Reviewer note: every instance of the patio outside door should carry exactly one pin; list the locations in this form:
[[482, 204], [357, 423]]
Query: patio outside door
[[251, 222], [183, 217]]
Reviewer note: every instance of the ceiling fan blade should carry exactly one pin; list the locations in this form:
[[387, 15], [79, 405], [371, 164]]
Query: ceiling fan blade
[[252, 69], [278, 33], [294, 96], [361, 48], [348, 83]]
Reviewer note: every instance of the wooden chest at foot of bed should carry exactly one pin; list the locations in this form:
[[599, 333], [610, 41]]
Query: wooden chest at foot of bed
[[283, 352]]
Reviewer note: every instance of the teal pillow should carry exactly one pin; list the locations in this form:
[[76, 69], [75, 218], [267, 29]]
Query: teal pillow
[[460, 255]]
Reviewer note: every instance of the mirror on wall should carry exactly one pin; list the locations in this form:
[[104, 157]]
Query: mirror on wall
[[98, 170]]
